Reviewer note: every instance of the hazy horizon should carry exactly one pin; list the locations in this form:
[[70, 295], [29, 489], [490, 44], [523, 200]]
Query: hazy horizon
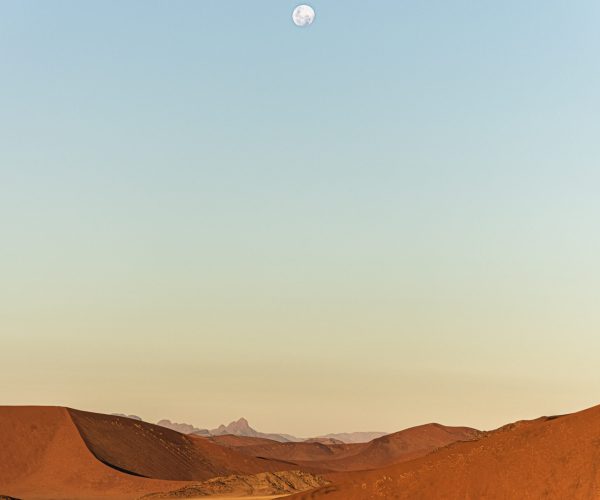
[[385, 219]]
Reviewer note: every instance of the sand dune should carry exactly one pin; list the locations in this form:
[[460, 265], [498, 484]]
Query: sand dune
[[58, 453], [52, 452], [43, 456], [553, 458]]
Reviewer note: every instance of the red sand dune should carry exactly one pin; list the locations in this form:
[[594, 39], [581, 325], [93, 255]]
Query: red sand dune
[[553, 458], [43, 456], [52, 452]]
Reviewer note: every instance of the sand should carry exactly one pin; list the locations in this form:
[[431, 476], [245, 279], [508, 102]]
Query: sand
[[53, 452], [551, 458], [43, 456]]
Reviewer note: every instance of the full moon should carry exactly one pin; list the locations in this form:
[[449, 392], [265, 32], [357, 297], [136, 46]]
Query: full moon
[[303, 15]]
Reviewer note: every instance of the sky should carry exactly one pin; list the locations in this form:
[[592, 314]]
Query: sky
[[387, 218]]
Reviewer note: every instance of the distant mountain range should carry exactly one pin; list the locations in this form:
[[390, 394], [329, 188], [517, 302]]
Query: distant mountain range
[[241, 427]]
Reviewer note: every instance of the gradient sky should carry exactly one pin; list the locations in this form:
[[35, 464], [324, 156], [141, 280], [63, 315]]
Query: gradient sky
[[388, 218]]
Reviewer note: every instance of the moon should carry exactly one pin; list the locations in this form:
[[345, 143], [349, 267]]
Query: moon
[[303, 15]]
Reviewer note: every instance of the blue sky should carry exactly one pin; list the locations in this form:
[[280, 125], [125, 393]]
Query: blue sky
[[392, 206]]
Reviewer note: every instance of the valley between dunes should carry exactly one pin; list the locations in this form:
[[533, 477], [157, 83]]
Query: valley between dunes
[[61, 453]]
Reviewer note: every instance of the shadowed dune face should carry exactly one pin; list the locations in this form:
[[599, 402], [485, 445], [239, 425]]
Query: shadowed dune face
[[148, 450], [156, 452], [554, 458], [142, 449]]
